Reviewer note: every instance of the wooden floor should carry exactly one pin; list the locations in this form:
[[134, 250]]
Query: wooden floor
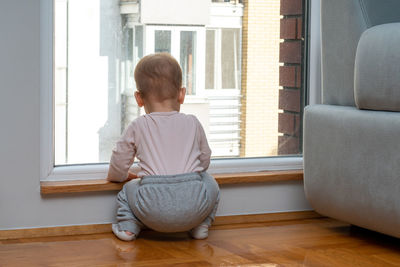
[[315, 242]]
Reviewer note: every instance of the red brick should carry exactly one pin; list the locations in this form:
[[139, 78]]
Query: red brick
[[286, 123], [290, 52], [288, 28], [288, 145], [291, 7], [297, 125], [299, 28], [289, 100], [298, 76], [287, 76]]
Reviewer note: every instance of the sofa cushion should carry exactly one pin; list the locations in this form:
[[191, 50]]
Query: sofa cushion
[[377, 68], [342, 23]]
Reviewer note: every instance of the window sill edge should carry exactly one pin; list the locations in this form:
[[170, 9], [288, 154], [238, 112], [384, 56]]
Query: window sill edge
[[101, 185]]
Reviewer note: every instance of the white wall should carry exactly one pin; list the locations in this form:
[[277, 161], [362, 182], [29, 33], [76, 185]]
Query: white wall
[[21, 205]]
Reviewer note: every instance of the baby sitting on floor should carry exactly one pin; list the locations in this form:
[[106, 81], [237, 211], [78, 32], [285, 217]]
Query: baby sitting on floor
[[175, 193]]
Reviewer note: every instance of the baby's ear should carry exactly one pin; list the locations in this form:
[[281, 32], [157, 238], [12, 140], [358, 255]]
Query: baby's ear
[[139, 99], [182, 94]]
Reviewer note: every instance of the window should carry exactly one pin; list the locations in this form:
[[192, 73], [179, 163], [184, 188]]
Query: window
[[187, 58], [230, 69], [223, 59], [162, 41], [182, 42]]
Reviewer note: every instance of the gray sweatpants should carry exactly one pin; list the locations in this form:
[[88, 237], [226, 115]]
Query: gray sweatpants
[[171, 203]]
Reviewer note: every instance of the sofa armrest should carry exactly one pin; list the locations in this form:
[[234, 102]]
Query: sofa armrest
[[351, 165]]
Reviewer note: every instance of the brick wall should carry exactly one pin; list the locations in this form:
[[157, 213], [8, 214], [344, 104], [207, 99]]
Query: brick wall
[[290, 77]]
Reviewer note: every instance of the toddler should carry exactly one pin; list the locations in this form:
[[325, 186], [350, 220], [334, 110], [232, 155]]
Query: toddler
[[175, 193]]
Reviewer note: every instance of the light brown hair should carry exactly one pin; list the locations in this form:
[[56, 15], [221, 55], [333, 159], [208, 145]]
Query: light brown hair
[[158, 75]]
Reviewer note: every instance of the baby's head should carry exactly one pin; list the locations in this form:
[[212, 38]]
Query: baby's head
[[158, 78]]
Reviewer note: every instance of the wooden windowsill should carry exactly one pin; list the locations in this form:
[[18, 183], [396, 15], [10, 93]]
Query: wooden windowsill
[[56, 187]]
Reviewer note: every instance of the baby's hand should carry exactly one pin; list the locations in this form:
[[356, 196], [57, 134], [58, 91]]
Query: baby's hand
[[131, 176]]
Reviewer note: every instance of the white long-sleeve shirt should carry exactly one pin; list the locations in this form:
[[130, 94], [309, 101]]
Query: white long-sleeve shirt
[[165, 143]]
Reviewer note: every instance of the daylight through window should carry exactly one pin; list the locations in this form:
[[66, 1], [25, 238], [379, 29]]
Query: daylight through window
[[230, 53]]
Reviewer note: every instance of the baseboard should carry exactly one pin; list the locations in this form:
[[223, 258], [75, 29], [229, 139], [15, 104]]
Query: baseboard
[[105, 228], [55, 231], [266, 217]]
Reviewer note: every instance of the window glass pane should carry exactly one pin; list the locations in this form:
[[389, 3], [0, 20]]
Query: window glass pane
[[229, 58], [210, 59], [60, 80], [188, 60], [96, 50], [247, 96], [132, 52], [138, 39], [162, 41]]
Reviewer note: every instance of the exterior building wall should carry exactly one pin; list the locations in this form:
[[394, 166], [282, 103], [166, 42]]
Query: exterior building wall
[[290, 77], [260, 78]]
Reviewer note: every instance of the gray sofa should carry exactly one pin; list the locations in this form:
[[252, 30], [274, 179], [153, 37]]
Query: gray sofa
[[352, 140]]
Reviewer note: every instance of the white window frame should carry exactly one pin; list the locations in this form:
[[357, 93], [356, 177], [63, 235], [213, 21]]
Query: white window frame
[[314, 53], [48, 172]]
